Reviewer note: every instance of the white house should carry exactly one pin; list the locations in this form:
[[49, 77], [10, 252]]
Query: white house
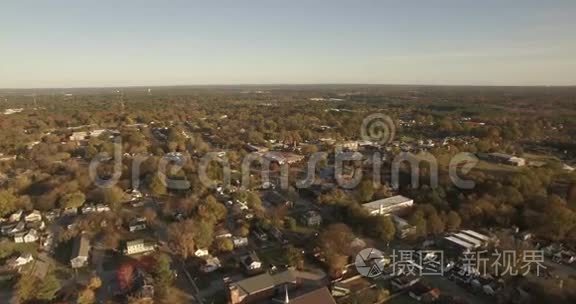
[[14, 217], [202, 253], [139, 246], [240, 241], [102, 208], [29, 236], [77, 136], [251, 262], [80, 252], [350, 145], [212, 264], [33, 216], [22, 260]]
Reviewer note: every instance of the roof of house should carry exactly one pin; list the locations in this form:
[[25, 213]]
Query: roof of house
[[255, 284], [275, 198], [460, 242], [318, 296], [81, 247], [476, 235], [265, 281], [386, 202], [39, 269], [469, 239], [138, 242]]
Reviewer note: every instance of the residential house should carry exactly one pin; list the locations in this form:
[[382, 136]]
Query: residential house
[[102, 208], [80, 252], [318, 296], [222, 233], [201, 253], [29, 236], [282, 158], [254, 148], [139, 246], [78, 136], [16, 216], [70, 211], [351, 145], [503, 159], [135, 195], [52, 214], [36, 225], [564, 257], [88, 209], [251, 262], [389, 205], [20, 261], [403, 228], [137, 224], [276, 199], [39, 269], [239, 241], [311, 218], [33, 216], [13, 228], [212, 264]]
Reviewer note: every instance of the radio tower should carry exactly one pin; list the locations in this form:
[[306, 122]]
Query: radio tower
[[121, 100]]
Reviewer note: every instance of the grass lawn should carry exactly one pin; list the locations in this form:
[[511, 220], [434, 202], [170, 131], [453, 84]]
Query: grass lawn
[[9, 248], [402, 299], [274, 256]]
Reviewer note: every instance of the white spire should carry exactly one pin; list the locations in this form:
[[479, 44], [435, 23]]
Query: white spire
[[287, 299]]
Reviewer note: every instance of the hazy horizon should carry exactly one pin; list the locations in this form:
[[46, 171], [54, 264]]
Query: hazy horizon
[[66, 44]]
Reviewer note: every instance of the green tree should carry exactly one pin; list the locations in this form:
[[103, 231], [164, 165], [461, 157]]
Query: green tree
[[113, 195], [295, 257], [182, 238], [366, 190], [211, 210], [435, 224], [157, 185], [162, 274], [72, 200], [7, 202], [453, 221], [31, 288], [203, 234], [224, 245], [381, 227], [254, 201]]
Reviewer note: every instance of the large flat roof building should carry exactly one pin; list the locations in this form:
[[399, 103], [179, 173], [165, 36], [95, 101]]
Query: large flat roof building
[[388, 205]]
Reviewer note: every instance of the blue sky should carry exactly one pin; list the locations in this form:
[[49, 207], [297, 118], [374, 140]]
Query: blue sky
[[118, 43]]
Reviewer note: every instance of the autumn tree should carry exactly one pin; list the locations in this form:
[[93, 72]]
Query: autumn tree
[[453, 221], [336, 245], [224, 245], [72, 200], [7, 202]]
